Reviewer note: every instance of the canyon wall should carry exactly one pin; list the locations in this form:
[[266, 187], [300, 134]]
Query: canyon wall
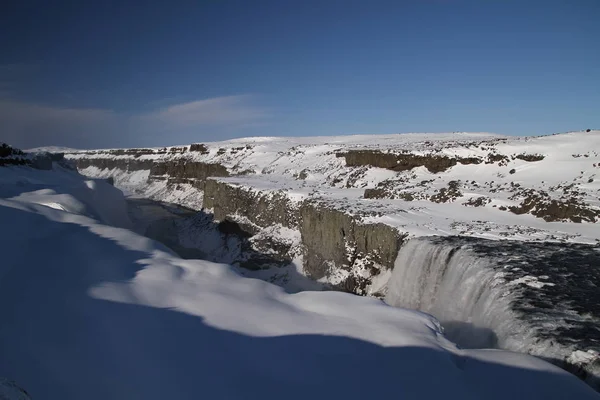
[[337, 247], [481, 290]]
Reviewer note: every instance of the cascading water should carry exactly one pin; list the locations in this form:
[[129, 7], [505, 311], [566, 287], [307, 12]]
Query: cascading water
[[457, 288], [512, 295]]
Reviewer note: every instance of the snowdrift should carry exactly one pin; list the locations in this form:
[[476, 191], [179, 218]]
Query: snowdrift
[[89, 309]]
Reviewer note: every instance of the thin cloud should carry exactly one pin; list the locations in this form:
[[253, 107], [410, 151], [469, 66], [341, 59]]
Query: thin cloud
[[225, 111], [28, 125]]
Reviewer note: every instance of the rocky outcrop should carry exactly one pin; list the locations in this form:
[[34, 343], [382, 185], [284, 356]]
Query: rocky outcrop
[[38, 160], [530, 157], [183, 171], [555, 209], [199, 147], [335, 241], [404, 161], [337, 246], [447, 194], [11, 156], [175, 171], [252, 214], [563, 203], [260, 208], [124, 164]]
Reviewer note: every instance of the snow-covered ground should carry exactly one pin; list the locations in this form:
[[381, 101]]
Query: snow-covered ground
[[90, 309], [416, 201]]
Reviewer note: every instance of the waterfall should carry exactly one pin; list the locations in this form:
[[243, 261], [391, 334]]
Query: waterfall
[[457, 287], [535, 298]]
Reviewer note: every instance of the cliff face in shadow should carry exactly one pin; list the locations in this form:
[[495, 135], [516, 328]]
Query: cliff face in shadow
[[339, 247], [124, 164], [338, 244], [181, 170], [260, 208]]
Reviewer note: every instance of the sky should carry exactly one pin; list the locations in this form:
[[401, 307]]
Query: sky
[[151, 73]]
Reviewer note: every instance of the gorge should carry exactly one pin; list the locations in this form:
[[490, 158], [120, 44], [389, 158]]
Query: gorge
[[494, 236]]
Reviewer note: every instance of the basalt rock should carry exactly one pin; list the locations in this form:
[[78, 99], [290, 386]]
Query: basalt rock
[[334, 240], [125, 164], [556, 210], [449, 194], [262, 209], [530, 157], [337, 246], [398, 162], [201, 148], [404, 162], [11, 156], [184, 169]]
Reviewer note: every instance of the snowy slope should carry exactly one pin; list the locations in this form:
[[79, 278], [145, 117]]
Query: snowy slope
[[95, 311], [472, 199]]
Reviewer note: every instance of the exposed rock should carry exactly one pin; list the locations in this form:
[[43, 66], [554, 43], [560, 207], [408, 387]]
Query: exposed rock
[[469, 160], [6, 151], [262, 209], [451, 193], [477, 201], [125, 164], [388, 193], [398, 162], [188, 169], [493, 158], [199, 148], [530, 157], [334, 240], [230, 227], [42, 161], [302, 175], [556, 210], [130, 152], [375, 193], [335, 243], [12, 156]]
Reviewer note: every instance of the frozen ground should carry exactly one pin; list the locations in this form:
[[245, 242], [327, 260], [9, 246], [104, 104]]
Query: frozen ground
[[524, 189], [530, 174], [92, 310]]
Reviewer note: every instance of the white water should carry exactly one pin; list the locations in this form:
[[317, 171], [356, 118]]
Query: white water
[[459, 289]]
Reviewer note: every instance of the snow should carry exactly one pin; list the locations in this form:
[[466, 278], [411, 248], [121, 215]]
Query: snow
[[135, 184], [50, 149], [308, 168], [92, 310], [9, 390]]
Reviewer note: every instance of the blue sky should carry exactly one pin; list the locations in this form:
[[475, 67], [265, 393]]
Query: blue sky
[[151, 73]]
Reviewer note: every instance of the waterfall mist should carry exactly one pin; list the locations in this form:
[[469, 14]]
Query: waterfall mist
[[457, 287]]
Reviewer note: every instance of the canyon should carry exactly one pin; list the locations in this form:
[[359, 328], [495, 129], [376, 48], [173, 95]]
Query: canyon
[[495, 236]]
